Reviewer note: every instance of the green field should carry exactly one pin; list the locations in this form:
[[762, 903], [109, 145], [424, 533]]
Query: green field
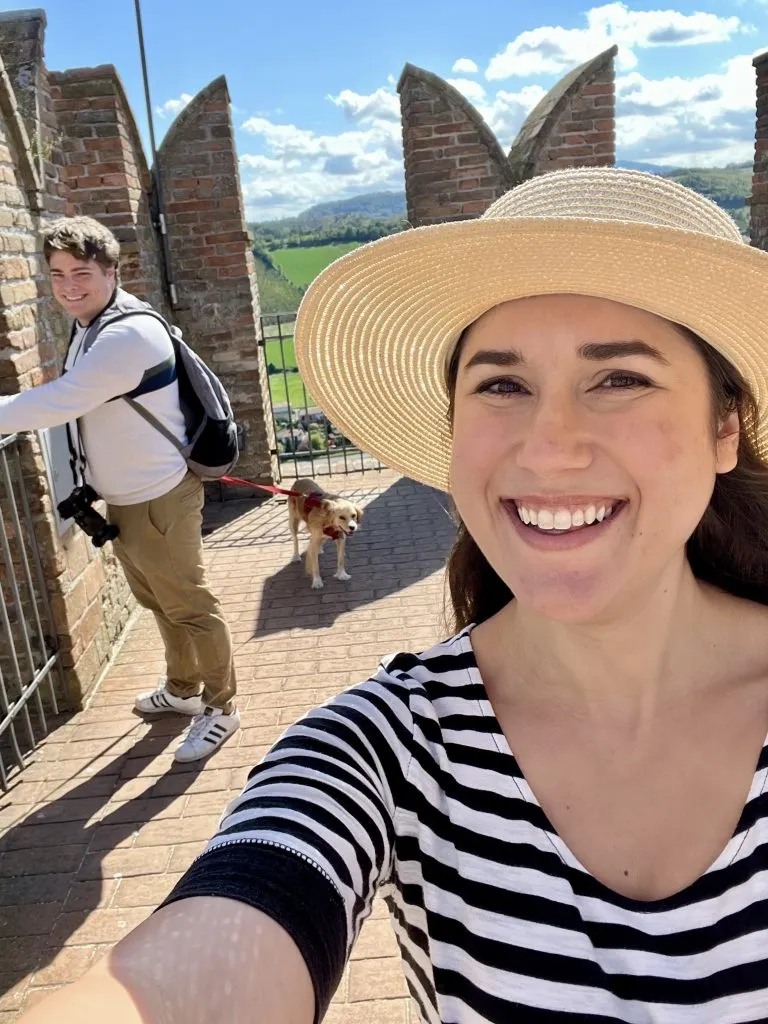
[[274, 356], [295, 391], [277, 381], [302, 264]]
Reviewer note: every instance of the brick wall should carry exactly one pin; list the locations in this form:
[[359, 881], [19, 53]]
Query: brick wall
[[89, 596], [574, 125], [454, 166], [212, 266], [759, 198], [106, 170]]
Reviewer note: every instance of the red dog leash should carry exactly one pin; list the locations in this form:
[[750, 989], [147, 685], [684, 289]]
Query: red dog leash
[[310, 500], [315, 498]]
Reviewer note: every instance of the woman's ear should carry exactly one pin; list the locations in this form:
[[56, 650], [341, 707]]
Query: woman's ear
[[728, 443]]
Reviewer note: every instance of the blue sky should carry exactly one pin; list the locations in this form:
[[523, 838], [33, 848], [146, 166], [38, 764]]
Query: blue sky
[[313, 85]]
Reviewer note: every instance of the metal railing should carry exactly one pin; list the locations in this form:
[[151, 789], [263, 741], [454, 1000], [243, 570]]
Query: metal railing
[[308, 444], [28, 645]]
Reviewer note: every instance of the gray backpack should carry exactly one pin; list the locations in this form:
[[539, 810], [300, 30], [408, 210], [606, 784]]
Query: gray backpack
[[212, 448]]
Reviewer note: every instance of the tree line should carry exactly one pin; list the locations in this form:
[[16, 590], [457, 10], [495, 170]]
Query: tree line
[[293, 232]]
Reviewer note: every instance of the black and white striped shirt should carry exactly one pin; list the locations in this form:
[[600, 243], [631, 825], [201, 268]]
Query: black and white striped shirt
[[405, 787]]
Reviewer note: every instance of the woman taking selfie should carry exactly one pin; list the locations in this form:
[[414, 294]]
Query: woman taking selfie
[[563, 804]]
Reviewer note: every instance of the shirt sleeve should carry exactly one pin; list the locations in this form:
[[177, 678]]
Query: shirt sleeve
[[113, 365], [311, 838]]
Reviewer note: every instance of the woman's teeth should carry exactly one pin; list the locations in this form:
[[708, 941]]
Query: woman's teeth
[[562, 519]]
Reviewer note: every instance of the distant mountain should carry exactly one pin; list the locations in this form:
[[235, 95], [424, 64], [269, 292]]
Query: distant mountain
[[379, 205], [727, 186], [636, 165]]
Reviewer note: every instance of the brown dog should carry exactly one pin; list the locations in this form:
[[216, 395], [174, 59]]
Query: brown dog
[[327, 517]]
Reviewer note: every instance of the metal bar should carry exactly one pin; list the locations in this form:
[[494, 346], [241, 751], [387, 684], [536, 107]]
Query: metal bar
[[8, 440], [26, 572], [271, 403], [42, 587], [17, 706], [287, 394], [309, 432], [156, 177], [344, 453], [6, 706], [6, 548], [142, 53], [328, 445]]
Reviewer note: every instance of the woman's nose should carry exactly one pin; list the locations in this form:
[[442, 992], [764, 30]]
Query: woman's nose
[[554, 440]]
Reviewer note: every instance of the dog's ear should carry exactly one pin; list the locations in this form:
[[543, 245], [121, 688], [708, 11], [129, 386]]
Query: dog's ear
[[358, 513]]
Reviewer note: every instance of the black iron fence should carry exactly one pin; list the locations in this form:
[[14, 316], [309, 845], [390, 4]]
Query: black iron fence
[[28, 646], [308, 444]]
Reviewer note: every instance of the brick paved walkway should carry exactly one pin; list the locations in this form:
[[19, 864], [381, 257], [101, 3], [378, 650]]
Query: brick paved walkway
[[99, 826]]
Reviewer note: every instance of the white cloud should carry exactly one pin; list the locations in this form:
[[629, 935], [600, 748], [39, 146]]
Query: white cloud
[[465, 66], [507, 111], [172, 107], [552, 50], [704, 121], [382, 105], [300, 167], [474, 92]]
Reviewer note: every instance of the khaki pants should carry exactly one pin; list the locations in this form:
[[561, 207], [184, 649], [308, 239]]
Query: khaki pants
[[160, 548]]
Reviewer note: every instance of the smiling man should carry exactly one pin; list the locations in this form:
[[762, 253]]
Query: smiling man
[[153, 500]]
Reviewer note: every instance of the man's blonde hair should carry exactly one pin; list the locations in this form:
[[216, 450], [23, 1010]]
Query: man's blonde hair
[[82, 237]]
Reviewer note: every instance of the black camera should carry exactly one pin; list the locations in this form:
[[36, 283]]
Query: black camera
[[78, 506]]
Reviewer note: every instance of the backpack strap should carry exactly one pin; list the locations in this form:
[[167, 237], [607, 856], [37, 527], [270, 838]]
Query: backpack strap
[[154, 378], [154, 422]]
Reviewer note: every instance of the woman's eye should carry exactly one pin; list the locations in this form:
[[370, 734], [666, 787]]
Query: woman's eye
[[620, 380], [501, 386]]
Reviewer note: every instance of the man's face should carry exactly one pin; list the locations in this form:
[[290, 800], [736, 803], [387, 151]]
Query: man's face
[[82, 287]]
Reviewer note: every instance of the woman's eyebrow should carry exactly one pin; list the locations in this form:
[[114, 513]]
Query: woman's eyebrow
[[599, 350], [593, 350], [495, 357]]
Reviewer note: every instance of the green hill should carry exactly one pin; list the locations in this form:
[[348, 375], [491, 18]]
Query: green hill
[[729, 187], [377, 205]]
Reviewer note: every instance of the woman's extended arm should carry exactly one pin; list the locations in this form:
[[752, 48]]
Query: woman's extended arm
[[200, 961]]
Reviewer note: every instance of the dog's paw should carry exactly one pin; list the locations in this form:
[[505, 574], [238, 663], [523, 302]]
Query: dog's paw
[[317, 583], [296, 557], [341, 575]]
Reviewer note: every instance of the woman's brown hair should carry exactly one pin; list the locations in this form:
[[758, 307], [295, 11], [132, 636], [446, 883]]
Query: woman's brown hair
[[729, 547]]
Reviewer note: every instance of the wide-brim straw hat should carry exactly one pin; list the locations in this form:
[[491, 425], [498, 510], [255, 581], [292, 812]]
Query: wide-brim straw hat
[[376, 329]]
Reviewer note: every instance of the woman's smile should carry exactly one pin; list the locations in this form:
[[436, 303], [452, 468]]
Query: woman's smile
[[564, 523]]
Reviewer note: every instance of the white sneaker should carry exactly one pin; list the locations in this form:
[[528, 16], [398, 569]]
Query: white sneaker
[[161, 702], [207, 733]]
